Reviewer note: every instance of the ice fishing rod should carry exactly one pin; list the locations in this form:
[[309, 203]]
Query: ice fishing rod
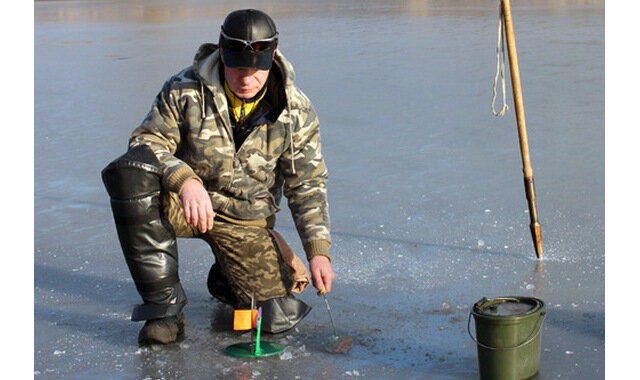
[[522, 128]]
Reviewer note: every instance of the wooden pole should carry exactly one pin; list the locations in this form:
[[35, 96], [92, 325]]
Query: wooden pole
[[522, 128]]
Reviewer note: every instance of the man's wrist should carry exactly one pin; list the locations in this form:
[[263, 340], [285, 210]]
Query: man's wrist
[[319, 247], [178, 178]]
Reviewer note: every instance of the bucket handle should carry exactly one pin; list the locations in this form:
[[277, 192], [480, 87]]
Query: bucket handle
[[536, 330]]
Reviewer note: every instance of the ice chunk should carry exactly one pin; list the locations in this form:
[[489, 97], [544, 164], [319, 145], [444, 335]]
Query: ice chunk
[[286, 355]]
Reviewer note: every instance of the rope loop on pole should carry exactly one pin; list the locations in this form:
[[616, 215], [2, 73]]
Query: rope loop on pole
[[500, 69]]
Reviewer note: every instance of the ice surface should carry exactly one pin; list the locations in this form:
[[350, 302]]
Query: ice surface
[[426, 192]]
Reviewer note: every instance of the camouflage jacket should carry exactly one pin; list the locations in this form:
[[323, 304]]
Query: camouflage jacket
[[190, 131]]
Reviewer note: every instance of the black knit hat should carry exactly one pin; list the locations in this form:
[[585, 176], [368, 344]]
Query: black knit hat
[[248, 39]]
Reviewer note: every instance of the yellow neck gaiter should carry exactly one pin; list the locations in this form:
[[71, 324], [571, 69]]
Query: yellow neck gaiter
[[242, 108]]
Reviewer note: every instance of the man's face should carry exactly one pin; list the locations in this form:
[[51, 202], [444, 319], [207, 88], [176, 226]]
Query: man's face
[[245, 83]]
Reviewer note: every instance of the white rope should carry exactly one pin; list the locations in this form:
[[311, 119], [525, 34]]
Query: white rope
[[500, 69]]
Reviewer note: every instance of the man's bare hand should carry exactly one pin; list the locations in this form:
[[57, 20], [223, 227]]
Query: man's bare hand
[[321, 274], [196, 203]]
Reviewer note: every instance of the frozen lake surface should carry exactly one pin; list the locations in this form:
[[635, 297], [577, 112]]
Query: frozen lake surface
[[426, 192]]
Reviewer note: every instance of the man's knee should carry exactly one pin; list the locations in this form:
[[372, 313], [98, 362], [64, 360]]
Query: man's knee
[[133, 182], [134, 174]]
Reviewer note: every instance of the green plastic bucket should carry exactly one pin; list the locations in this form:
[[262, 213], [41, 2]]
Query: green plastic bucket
[[508, 336]]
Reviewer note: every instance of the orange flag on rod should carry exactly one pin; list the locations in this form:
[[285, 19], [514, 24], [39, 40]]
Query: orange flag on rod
[[245, 319]]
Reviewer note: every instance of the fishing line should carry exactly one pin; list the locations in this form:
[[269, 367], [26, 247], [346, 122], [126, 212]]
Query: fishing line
[[500, 69]]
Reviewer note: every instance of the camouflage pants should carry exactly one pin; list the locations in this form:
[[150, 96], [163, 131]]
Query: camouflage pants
[[247, 256]]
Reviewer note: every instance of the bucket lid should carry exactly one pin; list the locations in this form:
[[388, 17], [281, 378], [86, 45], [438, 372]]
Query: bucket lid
[[506, 306]]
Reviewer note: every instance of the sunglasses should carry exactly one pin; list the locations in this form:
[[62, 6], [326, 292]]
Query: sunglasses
[[238, 44]]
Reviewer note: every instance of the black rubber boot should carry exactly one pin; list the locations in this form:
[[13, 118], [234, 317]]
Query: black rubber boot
[[148, 242], [282, 313], [162, 331]]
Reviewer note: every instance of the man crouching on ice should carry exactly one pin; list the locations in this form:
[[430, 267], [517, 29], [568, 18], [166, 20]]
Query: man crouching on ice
[[224, 140]]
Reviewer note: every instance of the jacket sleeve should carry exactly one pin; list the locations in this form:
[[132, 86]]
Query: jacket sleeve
[[160, 130], [305, 181]]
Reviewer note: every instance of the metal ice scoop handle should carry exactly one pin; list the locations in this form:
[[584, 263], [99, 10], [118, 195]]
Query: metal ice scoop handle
[[335, 333]]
